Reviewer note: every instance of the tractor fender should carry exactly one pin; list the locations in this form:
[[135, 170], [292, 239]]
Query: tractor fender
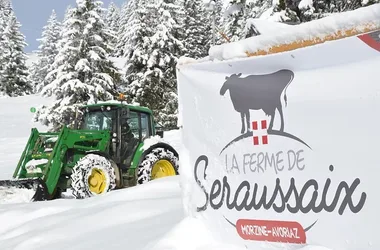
[[161, 145], [146, 161]]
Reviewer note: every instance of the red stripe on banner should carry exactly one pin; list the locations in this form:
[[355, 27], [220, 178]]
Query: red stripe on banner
[[265, 139], [255, 140], [370, 41], [254, 126], [263, 124]]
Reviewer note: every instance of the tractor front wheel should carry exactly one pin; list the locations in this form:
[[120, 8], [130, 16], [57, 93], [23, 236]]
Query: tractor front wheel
[[92, 175], [159, 162]]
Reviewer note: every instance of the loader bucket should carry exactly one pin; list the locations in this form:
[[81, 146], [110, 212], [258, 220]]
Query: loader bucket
[[13, 188]]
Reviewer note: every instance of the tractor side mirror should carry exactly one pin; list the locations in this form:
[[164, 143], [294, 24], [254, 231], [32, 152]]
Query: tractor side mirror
[[159, 129], [160, 133]]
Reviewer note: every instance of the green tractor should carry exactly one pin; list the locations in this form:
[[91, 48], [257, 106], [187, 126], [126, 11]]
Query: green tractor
[[111, 146]]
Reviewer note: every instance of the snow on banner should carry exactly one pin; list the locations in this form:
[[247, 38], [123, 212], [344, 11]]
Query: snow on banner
[[283, 148]]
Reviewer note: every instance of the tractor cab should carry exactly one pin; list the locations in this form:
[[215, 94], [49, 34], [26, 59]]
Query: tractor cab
[[128, 125], [116, 117]]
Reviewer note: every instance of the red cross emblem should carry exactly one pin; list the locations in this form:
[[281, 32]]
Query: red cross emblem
[[260, 132]]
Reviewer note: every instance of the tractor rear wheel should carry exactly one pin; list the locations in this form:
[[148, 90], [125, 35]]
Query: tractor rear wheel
[[159, 162], [92, 175]]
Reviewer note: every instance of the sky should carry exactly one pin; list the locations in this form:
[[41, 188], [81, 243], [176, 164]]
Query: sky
[[33, 15]]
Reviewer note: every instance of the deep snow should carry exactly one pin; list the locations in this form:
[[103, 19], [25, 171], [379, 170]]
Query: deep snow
[[150, 216], [133, 218]]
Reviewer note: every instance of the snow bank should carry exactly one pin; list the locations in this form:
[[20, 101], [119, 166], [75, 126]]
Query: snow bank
[[185, 60], [329, 28], [9, 195], [192, 234], [151, 141], [136, 217]]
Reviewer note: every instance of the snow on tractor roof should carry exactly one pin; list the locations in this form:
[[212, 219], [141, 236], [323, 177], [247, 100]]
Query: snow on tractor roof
[[135, 106], [280, 37]]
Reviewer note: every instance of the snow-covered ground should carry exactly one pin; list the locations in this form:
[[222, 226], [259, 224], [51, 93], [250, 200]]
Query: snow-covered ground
[[133, 218], [150, 216]]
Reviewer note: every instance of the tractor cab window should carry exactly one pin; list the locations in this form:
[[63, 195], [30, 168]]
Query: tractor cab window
[[144, 125], [132, 124], [98, 120], [129, 135]]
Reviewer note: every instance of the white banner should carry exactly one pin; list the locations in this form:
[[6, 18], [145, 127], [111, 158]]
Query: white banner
[[283, 149]]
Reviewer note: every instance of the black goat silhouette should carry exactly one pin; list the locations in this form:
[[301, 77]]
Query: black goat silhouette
[[256, 92]]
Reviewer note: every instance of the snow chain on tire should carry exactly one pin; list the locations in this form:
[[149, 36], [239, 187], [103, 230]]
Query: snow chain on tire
[[144, 169], [82, 170]]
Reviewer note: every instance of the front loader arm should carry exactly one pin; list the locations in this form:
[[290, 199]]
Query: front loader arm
[[80, 141], [55, 159], [31, 141]]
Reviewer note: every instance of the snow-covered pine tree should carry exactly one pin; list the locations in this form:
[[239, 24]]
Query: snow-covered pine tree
[[218, 12], [124, 27], [34, 76], [233, 21], [178, 15], [165, 48], [6, 7], [5, 10], [287, 11], [140, 28], [152, 55], [2, 28], [310, 10], [52, 73], [112, 22], [84, 72], [253, 9], [14, 72], [369, 2], [67, 13], [112, 16], [197, 27], [237, 14], [214, 14], [336, 6], [48, 49], [316, 9]]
